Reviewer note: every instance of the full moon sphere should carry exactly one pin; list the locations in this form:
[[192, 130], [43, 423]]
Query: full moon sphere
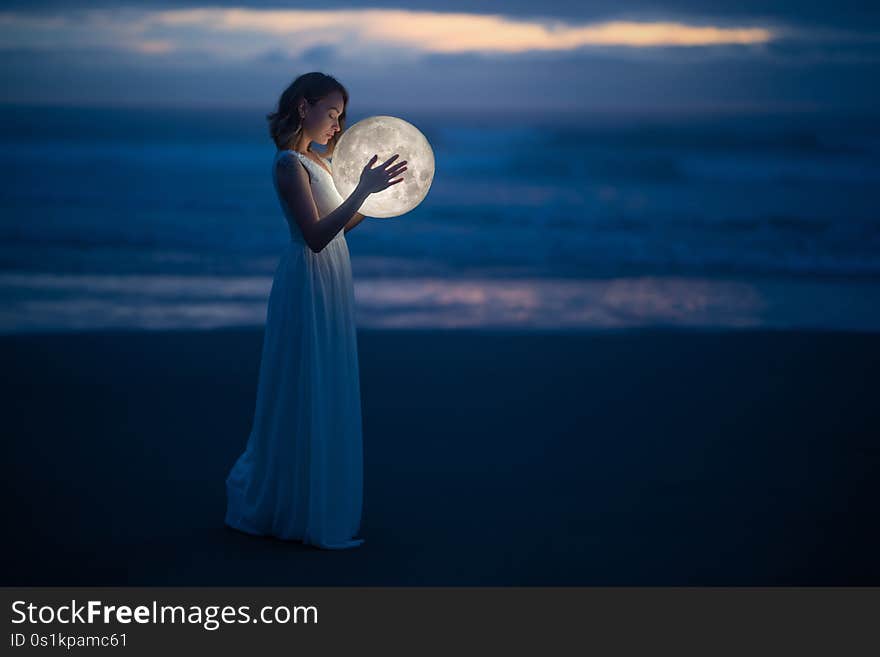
[[384, 136]]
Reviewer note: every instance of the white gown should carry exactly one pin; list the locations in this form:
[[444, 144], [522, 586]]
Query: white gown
[[301, 474]]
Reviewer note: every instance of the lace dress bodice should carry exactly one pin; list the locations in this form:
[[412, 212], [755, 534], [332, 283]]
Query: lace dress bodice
[[324, 191]]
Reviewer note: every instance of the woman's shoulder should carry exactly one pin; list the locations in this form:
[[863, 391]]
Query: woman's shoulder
[[289, 159], [292, 157]]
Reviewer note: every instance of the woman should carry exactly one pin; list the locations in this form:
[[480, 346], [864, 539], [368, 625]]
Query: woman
[[300, 476]]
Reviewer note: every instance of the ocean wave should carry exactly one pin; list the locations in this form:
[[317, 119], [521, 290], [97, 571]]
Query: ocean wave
[[40, 303]]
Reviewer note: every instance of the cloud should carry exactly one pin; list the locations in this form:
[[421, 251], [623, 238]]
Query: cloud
[[458, 32], [248, 33], [452, 61], [856, 15]]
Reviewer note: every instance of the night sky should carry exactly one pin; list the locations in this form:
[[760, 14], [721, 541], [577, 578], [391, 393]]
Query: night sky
[[665, 55]]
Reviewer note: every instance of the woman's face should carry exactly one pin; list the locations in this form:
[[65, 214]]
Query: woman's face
[[322, 119]]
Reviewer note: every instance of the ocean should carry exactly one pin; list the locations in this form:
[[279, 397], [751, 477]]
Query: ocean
[[167, 218]]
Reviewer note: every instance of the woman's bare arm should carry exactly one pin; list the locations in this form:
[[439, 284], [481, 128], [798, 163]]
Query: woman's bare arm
[[318, 232], [355, 220]]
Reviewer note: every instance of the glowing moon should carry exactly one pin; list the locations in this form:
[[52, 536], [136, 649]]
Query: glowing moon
[[384, 136]]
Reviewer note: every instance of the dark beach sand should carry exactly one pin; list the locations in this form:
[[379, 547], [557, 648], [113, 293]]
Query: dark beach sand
[[621, 458]]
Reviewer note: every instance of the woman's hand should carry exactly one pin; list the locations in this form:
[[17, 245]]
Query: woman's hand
[[375, 180]]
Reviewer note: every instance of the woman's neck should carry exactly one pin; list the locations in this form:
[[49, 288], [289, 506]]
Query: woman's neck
[[302, 146]]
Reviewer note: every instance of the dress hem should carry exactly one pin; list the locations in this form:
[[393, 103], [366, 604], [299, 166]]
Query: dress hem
[[355, 542]]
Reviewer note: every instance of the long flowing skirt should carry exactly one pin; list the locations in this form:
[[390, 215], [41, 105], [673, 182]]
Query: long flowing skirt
[[300, 476]]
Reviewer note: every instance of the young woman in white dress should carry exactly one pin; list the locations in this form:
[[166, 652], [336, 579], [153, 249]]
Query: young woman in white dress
[[300, 476]]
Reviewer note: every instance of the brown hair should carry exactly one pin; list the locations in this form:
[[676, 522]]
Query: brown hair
[[285, 122]]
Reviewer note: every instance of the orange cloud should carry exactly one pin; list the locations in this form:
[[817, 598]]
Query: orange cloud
[[352, 32], [457, 32]]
